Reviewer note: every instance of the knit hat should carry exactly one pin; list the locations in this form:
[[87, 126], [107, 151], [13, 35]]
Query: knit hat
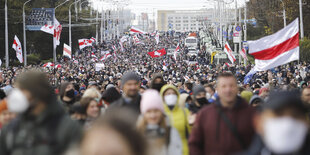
[[247, 95], [198, 89], [130, 76], [151, 100]]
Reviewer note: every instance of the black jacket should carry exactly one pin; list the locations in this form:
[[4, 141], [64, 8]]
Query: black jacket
[[49, 133]]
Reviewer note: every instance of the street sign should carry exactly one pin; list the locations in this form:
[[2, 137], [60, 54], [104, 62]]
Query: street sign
[[245, 45], [39, 17], [238, 28]]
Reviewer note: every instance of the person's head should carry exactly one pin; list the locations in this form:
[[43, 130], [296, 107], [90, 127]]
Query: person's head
[[114, 133], [246, 95], [264, 92], [130, 84], [32, 91], [305, 95], [93, 93], [256, 101], [227, 89], [66, 90], [199, 95], [157, 82], [282, 124], [110, 95], [91, 107], [210, 90], [188, 86], [170, 95], [152, 107]]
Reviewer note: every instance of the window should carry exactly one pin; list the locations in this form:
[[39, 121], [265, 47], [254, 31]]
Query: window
[[185, 25], [178, 21], [193, 24], [185, 21], [185, 17], [170, 17]]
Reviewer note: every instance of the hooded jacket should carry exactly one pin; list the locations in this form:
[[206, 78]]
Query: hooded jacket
[[178, 117]]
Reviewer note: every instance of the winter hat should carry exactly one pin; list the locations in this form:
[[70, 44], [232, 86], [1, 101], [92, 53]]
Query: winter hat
[[130, 76], [198, 89], [255, 98], [151, 100], [247, 95]]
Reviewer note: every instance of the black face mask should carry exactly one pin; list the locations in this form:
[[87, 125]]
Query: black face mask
[[157, 86], [202, 101], [70, 93]]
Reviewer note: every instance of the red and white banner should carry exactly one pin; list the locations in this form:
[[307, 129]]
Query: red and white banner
[[48, 29], [136, 40], [48, 64], [229, 53], [153, 34], [67, 51], [17, 46], [58, 66], [57, 31], [277, 49], [107, 55], [93, 39], [243, 54], [227, 64], [176, 52], [157, 38], [136, 30], [158, 53], [84, 43]]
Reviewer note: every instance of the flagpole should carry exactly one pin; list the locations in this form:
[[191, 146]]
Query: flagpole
[[24, 31], [6, 36], [301, 21]]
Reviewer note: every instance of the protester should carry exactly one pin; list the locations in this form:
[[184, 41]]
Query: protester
[[225, 127], [42, 126], [178, 116], [163, 139], [92, 110], [210, 93], [157, 82], [67, 96], [282, 126], [110, 95]]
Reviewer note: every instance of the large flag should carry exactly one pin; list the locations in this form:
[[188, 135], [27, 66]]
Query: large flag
[[243, 54], [93, 39], [229, 53], [158, 53], [175, 52], [67, 51], [136, 30], [157, 38], [17, 46], [84, 43], [57, 31], [277, 49], [48, 29]]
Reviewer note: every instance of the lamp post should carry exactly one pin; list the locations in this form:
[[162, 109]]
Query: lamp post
[[70, 33], [24, 32], [6, 36], [301, 21], [284, 14]]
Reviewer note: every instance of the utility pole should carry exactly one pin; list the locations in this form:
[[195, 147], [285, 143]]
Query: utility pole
[[24, 32], [240, 48], [245, 27], [301, 21], [6, 36], [102, 25], [97, 14]]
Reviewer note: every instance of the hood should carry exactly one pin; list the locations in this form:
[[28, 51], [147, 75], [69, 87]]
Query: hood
[[168, 86]]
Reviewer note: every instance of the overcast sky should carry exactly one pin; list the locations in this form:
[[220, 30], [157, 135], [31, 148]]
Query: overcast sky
[[150, 6]]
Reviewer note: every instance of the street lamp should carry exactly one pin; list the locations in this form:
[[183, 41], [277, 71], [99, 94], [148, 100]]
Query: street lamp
[[70, 39], [24, 32], [6, 36]]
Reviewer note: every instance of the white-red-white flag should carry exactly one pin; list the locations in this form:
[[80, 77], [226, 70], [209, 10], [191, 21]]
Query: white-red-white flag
[[48, 64], [136, 40], [57, 31], [227, 64], [176, 52], [229, 53], [243, 54], [58, 66], [84, 43], [93, 39], [107, 55], [48, 29], [157, 38], [17, 46], [136, 30], [67, 51], [277, 49]]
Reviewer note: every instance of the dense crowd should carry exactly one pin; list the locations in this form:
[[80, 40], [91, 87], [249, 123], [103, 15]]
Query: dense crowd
[[134, 104]]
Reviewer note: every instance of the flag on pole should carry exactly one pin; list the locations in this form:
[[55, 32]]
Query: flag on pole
[[175, 52], [136, 30], [229, 53], [48, 29], [158, 53], [107, 55], [17, 46], [93, 39], [48, 64], [57, 31], [276, 49], [243, 54], [84, 43], [227, 64], [67, 51], [157, 38]]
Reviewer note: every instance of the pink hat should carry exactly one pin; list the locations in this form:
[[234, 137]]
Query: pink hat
[[151, 100]]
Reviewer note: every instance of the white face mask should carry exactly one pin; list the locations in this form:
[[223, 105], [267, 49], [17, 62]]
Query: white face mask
[[17, 101], [171, 99], [208, 96], [284, 135]]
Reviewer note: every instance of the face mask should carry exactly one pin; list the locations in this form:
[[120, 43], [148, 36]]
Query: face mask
[[70, 93], [208, 96], [202, 101], [284, 135], [17, 101], [171, 100]]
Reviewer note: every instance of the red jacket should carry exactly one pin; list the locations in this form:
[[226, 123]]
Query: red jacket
[[211, 135]]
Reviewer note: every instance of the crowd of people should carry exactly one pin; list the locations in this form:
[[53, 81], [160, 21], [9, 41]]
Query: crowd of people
[[139, 105]]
